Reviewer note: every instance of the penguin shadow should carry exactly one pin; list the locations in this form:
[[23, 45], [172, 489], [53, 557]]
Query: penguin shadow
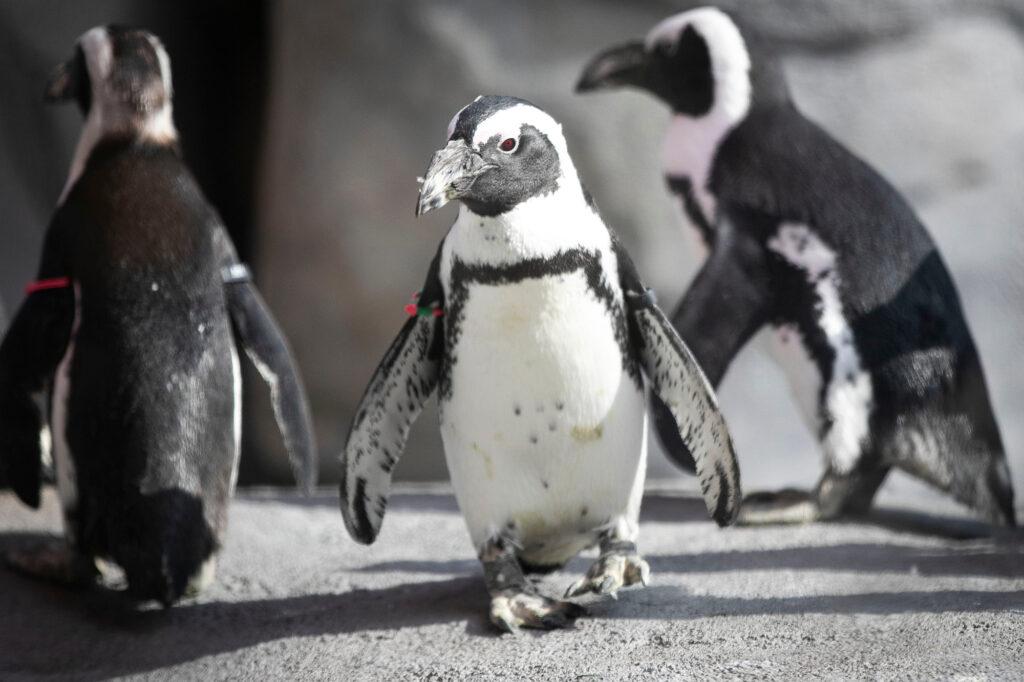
[[947, 527], [982, 560], [96, 634]]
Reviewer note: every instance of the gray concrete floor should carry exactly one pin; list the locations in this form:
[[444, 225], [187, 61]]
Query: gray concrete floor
[[912, 592]]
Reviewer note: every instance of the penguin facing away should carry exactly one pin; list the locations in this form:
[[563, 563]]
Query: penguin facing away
[[132, 328], [535, 331], [806, 238]]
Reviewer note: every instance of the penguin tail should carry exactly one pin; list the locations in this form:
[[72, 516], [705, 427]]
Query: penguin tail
[[165, 546]]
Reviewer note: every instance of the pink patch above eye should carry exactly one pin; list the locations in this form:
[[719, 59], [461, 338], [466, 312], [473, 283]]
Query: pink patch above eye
[[508, 144]]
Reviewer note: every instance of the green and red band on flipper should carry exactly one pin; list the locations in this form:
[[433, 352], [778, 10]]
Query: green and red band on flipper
[[433, 310]]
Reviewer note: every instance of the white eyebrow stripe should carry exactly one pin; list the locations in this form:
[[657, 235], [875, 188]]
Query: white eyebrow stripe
[[99, 54], [509, 123], [165, 63]]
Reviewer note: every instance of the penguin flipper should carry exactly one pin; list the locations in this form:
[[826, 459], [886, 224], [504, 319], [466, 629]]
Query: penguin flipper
[[29, 355], [265, 344], [677, 379], [402, 383], [728, 301]]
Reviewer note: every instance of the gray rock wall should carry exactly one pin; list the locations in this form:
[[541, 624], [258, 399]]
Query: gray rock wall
[[929, 92], [358, 95]]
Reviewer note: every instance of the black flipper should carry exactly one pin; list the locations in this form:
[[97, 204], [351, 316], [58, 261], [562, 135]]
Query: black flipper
[[257, 332], [678, 381], [30, 353], [401, 385], [727, 303]]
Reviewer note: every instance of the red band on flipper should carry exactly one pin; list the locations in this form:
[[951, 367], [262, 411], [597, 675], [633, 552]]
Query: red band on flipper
[[46, 284], [423, 311]]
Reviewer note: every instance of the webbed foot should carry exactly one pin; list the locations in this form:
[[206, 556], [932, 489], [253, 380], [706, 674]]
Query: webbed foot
[[513, 610], [617, 567]]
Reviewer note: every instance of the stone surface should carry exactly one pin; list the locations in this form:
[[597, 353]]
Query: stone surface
[[296, 598]]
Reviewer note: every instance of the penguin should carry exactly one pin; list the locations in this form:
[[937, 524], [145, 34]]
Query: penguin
[[535, 331], [132, 329], [804, 237]]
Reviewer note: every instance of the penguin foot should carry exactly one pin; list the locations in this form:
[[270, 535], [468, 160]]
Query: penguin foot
[[203, 577], [611, 572], [53, 563], [513, 610], [787, 506]]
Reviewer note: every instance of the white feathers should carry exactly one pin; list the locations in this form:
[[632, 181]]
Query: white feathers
[[64, 463], [848, 396], [539, 227], [543, 428], [691, 142], [99, 53], [789, 352], [165, 64], [107, 114], [236, 417]]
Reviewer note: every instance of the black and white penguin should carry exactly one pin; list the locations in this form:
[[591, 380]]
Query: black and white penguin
[[803, 236], [534, 328], [132, 329]]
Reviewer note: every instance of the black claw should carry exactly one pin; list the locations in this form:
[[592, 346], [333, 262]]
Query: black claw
[[574, 610], [555, 620]]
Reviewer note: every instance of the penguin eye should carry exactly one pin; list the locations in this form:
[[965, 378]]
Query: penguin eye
[[508, 145]]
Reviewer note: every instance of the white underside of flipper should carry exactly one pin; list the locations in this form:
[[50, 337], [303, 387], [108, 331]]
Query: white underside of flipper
[[64, 463]]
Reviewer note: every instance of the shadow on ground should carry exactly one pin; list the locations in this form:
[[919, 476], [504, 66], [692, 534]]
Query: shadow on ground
[[104, 636]]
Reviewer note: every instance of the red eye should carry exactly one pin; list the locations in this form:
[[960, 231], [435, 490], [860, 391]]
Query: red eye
[[509, 144]]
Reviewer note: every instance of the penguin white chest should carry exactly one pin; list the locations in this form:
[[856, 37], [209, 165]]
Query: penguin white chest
[[841, 405], [544, 427]]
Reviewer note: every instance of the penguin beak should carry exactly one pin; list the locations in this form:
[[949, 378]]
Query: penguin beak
[[451, 174], [61, 86], [619, 66]]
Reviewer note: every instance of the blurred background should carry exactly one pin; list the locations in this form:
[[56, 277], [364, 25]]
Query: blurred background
[[308, 122]]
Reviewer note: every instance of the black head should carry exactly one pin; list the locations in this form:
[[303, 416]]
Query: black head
[[501, 152], [126, 71], [695, 62]]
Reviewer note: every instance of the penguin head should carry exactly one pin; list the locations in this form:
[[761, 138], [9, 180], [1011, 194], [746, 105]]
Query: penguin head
[[698, 62], [121, 80], [501, 152]]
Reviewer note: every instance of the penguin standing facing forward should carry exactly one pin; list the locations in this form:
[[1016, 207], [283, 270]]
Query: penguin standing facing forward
[[806, 238], [534, 328], [129, 327]]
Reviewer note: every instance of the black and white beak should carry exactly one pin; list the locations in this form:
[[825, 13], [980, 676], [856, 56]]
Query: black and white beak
[[624, 65], [451, 174]]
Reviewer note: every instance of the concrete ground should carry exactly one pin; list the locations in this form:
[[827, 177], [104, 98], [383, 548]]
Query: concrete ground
[[911, 593]]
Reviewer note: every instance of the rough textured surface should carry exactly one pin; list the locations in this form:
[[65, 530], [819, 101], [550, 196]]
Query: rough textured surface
[[296, 598]]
